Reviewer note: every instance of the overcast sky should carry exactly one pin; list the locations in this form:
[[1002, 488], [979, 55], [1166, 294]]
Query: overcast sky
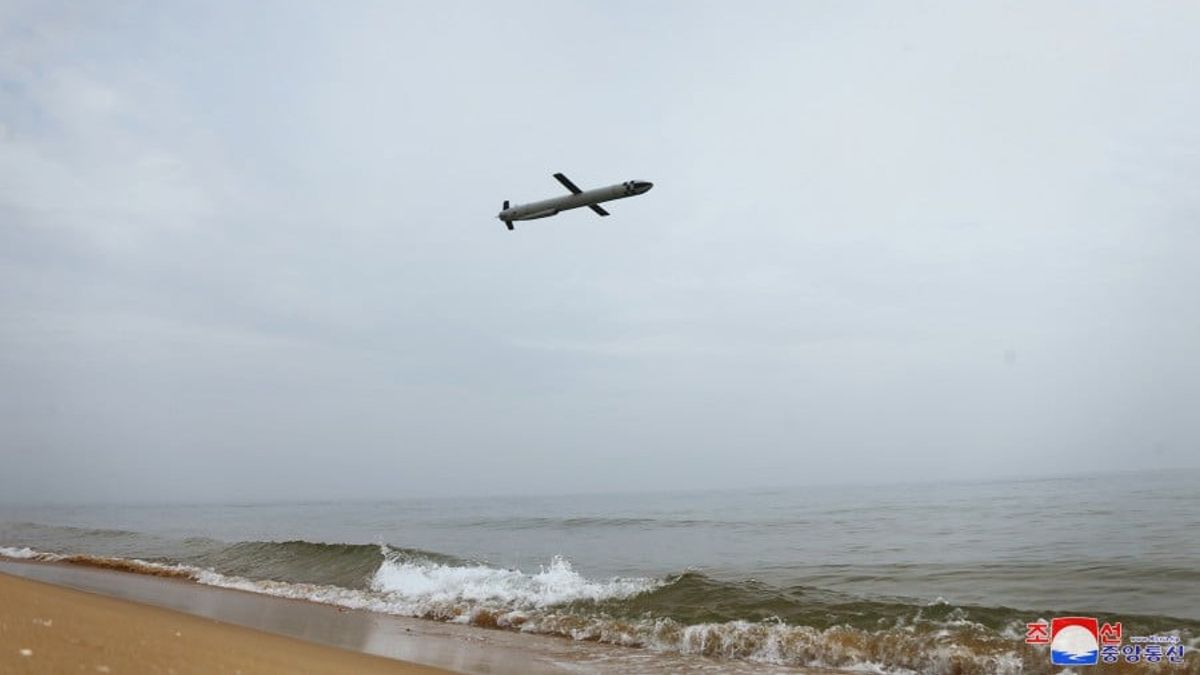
[[249, 250]]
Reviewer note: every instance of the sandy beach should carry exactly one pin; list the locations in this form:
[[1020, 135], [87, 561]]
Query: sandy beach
[[50, 629], [61, 594]]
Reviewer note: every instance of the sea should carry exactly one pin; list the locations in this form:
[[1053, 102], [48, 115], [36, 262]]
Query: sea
[[929, 577]]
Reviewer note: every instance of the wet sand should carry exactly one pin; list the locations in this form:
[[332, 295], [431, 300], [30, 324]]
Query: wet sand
[[452, 647], [50, 629]]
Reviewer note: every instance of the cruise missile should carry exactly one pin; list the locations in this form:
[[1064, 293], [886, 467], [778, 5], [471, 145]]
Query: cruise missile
[[590, 198]]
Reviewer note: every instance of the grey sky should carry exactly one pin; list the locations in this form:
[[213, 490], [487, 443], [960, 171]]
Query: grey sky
[[248, 250]]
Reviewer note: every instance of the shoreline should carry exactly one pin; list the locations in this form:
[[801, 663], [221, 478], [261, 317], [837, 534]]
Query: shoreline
[[401, 639], [47, 628], [450, 647]]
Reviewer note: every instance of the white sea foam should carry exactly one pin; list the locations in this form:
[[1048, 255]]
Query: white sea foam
[[23, 553], [125, 564], [555, 584], [841, 647], [532, 602], [330, 595], [407, 588], [449, 592]]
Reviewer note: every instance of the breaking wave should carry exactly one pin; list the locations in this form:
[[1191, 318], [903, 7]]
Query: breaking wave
[[688, 613]]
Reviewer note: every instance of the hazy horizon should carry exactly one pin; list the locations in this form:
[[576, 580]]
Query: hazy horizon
[[250, 252], [643, 491]]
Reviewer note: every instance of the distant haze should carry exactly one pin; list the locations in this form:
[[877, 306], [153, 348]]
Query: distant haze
[[249, 250]]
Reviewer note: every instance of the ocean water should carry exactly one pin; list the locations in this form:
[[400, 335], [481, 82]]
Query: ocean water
[[928, 578]]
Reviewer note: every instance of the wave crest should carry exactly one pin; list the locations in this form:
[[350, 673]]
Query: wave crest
[[689, 613], [435, 584]]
